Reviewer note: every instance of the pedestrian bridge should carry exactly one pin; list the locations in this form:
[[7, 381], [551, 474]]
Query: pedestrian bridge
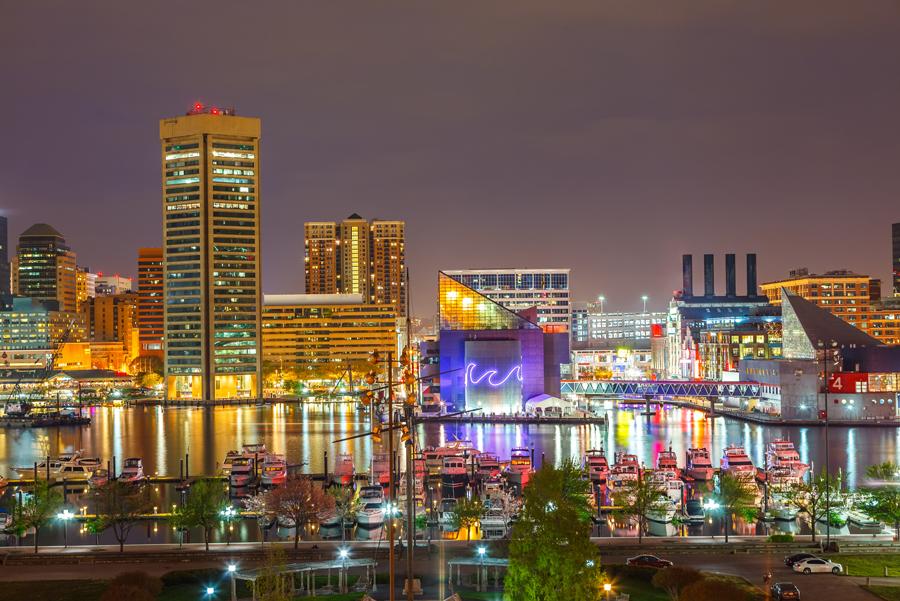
[[645, 389]]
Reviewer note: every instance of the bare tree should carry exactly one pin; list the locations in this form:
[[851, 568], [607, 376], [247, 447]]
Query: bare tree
[[298, 500], [119, 506]]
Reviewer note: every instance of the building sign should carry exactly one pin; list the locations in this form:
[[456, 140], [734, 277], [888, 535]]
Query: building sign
[[848, 382], [493, 375]]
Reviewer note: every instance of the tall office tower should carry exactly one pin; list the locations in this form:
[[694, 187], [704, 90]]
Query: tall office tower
[[320, 248], [150, 300], [5, 280], [44, 267], [353, 274], [85, 285], [895, 239], [389, 265], [210, 171]]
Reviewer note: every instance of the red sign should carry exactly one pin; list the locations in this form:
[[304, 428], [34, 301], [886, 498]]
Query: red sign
[[847, 382], [656, 330]]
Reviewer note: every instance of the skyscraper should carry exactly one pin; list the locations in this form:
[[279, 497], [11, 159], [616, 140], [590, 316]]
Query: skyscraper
[[356, 256], [210, 171], [150, 300], [895, 239], [44, 267], [5, 281]]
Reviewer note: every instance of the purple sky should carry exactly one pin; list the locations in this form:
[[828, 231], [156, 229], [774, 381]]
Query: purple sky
[[609, 137]]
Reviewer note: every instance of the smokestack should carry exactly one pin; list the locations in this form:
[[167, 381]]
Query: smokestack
[[751, 274], [687, 275], [709, 276], [730, 275]]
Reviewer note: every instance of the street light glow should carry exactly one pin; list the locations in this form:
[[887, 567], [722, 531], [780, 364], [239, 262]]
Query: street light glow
[[607, 587], [481, 551], [232, 568], [343, 553], [210, 591]]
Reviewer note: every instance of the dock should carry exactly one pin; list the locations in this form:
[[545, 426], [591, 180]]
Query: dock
[[475, 418]]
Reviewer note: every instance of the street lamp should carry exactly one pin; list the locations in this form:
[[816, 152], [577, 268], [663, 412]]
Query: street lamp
[[65, 515], [228, 515], [343, 554], [601, 298], [825, 358], [232, 568], [645, 298], [210, 591], [607, 589]]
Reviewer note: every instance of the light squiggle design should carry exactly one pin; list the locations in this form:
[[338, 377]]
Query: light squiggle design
[[488, 376]]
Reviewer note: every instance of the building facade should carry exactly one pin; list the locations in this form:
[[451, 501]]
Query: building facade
[[111, 284], [113, 318], [340, 330], [518, 290], [5, 274], [320, 249], [592, 327], [211, 250], [150, 314], [44, 267], [85, 285]]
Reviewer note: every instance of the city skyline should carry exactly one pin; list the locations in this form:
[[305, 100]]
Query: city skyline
[[656, 139]]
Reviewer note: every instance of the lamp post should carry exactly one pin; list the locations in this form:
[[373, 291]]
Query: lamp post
[[825, 349], [482, 551], [210, 591], [65, 515], [601, 298], [232, 568], [645, 298], [607, 589], [228, 515]]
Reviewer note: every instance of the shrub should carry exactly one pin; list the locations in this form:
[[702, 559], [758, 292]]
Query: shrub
[[714, 589], [636, 572], [781, 538], [675, 579], [141, 580], [118, 592]]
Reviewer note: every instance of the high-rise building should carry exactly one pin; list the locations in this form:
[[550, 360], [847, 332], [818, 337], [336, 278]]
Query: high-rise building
[[113, 318], [85, 285], [546, 290], [356, 256], [210, 171], [320, 245], [5, 279], [150, 300], [111, 284], [44, 267], [895, 240]]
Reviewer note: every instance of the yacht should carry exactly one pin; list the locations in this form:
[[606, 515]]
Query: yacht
[[488, 466], [494, 524], [372, 508], [736, 462], [99, 478], [92, 462], [699, 466], [781, 453], [344, 470], [226, 463], [666, 461], [74, 471], [446, 515], [520, 468], [626, 469], [132, 470], [243, 472], [274, 471], [381, 469], [254, 450], [43, 467], [597, 466], [434, 456], [454, 477]]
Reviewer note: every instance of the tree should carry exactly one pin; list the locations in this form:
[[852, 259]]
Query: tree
[[270, 585], [203, 506], [883, 502], [639, 498], [734, 495], [35, 510], [299, 500], [346, 504], [674, 579], [467, 513], [887, 471], [810, 496], [150, 380], [713, 589], [551, 551], [119, 505], [257, 506]]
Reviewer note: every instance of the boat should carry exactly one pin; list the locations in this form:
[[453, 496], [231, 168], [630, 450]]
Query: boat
[[520, 467], [274, 471], [494, 524], [329, 519], [91, 462], [243, 472], [132, 470], [693, 511], [626, 469], [736, 462], [254, 449], [447, 515], [667, 462], [434, 456], [99, 478], [372, 512], [779, 481], [698, 465], [488, 466], [74, 471], [43, 467], [344, 470], [454, 477], [781, 453], [597, 466], [226, 463], [861, 520], [381, 469]]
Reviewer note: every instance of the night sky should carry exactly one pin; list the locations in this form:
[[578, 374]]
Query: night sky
[[609, 137]]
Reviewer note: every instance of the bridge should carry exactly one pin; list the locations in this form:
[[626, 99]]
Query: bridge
[[645, 389]]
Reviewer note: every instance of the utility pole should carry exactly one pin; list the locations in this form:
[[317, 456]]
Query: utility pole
[[390, 379]]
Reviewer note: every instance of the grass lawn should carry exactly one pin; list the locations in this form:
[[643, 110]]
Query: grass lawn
[[869, 565], [888, 593]]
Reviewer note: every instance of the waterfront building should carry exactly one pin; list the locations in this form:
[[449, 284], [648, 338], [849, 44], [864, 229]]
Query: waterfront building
[[356, 256], [150, 311], [594, 328], [31, 330], [301, 331], [492, 358], [613, 363], [85, 286], [547, 290], [44, 267], [210, 207], [113, 318], [5, 275], [111, 284]]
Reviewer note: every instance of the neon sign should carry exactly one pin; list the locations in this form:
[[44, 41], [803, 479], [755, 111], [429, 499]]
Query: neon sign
[[489, 376]]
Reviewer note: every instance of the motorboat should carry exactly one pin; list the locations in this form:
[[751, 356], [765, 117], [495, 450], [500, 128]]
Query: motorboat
[[488, 466], [91, 462], [667, 462], [494, 524], [698, 465], [381, 469], [736, 462], [626, 469], [74, 471], [693, 511], [255, 449], [781, 453], [447, 515], [226, 463], [597, 466], [243, 472], [274, 471], [132, 470], [99, 478], [454, 477], [520, 467], [344, 470], [434, 456], [43, 467], [372, 512]]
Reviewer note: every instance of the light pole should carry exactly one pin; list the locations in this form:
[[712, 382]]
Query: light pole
[[228, 515], [210, 591], [231, 570], [607, 589], [601, 298], [645, 298], [825, 359], [65, 515], [482, 551]]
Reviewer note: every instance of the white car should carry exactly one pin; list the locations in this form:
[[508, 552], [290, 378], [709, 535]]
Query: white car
[[815, 564]]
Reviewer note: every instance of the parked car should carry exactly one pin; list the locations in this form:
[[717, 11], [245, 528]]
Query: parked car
[[783, 591], [790, 560], [648, 561], [817, 564]]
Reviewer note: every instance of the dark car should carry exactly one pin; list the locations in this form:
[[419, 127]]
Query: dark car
[[790, 560], [782, 591], [648, 561]]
